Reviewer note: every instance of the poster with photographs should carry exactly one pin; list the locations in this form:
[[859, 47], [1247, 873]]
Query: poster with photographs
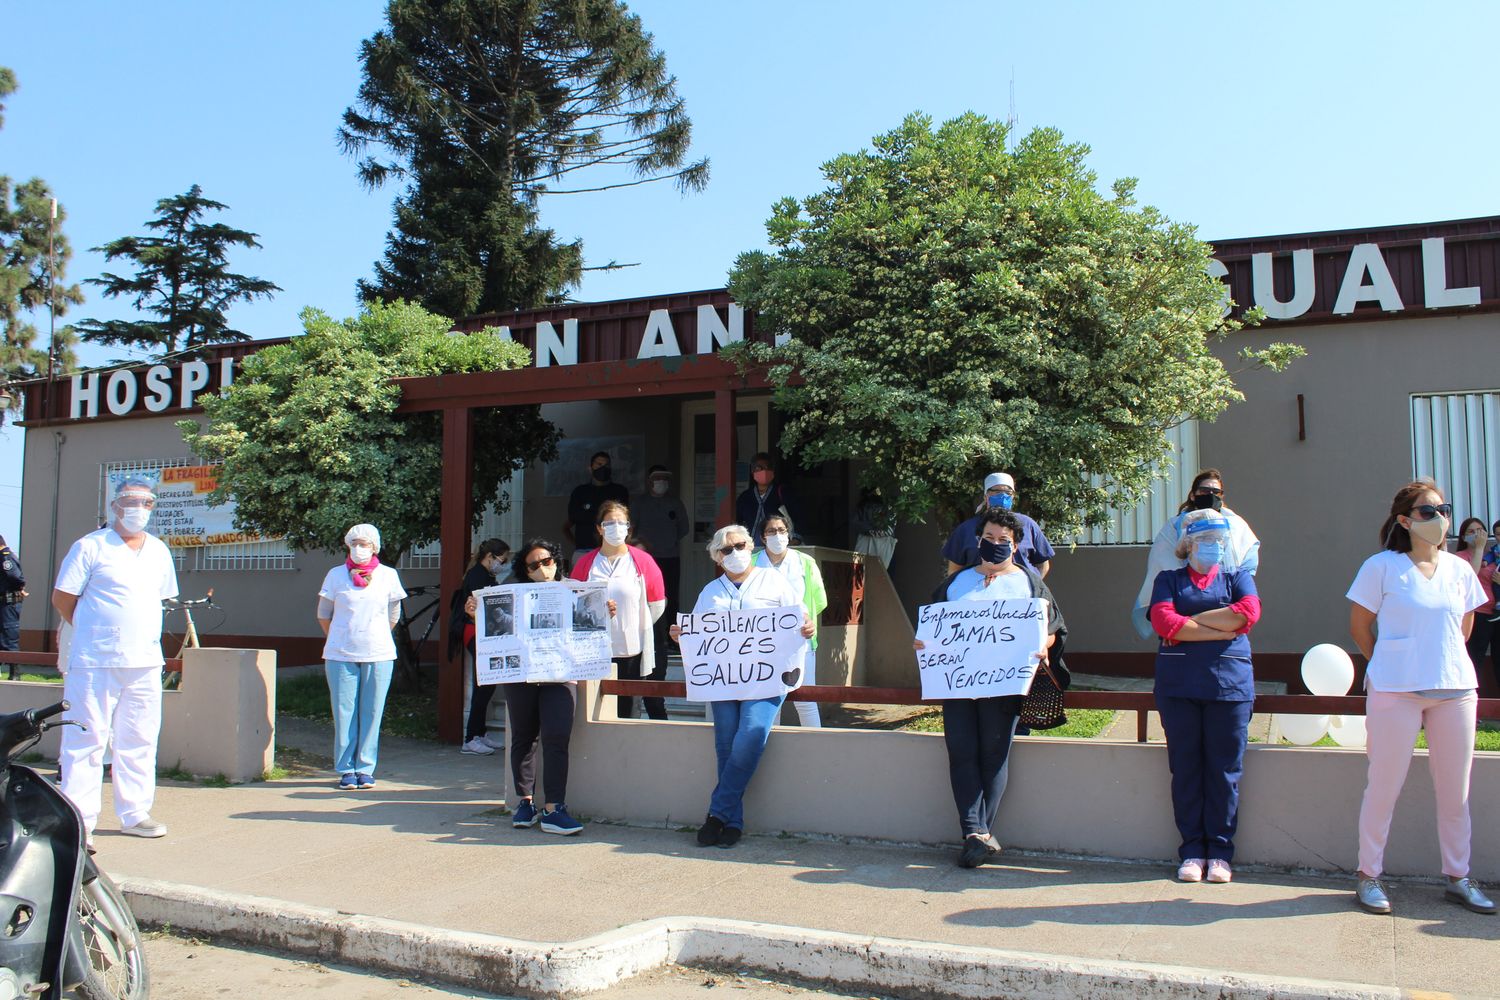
[[542, 633]]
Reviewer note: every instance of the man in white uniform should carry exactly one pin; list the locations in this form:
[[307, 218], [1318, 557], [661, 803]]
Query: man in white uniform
[[110, 588]]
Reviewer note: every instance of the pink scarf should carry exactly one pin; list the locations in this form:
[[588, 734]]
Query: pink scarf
[[361, 574]]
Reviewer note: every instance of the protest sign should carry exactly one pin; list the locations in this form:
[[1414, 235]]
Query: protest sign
[[742, 655], [183, 518], [980, 649], [542, 633]]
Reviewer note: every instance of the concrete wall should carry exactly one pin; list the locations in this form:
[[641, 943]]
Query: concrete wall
[[1299, 806], [221, 720]]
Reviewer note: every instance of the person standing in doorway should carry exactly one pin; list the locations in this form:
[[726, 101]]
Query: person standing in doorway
[[491, 562], [109, 589], [1032, 549], [12, 593], [582, 525], [762, 498], [661, 522]]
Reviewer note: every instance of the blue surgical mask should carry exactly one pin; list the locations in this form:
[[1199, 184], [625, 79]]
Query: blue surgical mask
[[1005, 501], [994, 552], [1206, 555]]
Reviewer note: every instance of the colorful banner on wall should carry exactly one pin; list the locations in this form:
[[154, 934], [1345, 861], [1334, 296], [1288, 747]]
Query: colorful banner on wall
[[183, 518]]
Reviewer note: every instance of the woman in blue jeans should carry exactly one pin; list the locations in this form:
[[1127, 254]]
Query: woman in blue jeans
[[358, 604], [741, 728]]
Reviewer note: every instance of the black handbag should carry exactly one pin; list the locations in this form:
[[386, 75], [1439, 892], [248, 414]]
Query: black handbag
[[1043, 707]]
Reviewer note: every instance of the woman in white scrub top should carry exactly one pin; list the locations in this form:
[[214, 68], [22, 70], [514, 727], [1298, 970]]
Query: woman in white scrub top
[[806, 580]]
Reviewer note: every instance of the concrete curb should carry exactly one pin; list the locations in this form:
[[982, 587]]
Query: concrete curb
[[508, 965]]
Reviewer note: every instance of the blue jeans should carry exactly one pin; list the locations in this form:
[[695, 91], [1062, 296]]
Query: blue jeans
[[1206, 752], [741, 729], [357, 691], [977, 733]]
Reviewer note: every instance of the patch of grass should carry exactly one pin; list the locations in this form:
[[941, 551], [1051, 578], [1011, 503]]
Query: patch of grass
[[40, 678], [274, 773], [495, 812], [1082, 724], [32, 757], [177, 773], [220, 780], [1486, 737], [409, 715]]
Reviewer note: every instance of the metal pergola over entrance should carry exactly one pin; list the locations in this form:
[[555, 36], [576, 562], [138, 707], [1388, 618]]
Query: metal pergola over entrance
[[456, 397]]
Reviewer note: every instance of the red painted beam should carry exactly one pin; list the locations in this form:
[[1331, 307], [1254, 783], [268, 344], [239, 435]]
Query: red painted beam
[[457, 516], [724, 437]]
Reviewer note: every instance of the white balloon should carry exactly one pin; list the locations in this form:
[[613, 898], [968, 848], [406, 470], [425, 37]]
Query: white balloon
[[1348, 730], [1303, 730], [1327, 670]]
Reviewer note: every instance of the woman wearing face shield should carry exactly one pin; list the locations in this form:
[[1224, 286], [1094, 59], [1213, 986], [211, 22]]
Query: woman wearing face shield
[[1205, 688], [637, 597], [806, 580], [1241, 550], [539, 714], [358, 605], [1420, 600], [741, 728]]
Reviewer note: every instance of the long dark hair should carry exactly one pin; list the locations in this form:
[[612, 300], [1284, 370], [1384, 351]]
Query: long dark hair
[[518, 573], [1203, 475], [1463, 529], [490, 547], [1392, 535]]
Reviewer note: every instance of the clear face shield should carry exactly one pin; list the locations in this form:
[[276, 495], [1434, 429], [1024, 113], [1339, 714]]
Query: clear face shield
[[1208, 543]]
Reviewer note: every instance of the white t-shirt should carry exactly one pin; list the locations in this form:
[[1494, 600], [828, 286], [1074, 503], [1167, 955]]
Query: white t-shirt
[[627, 590], [360, 631], [1420, 644], [763, 588], [117, 622]]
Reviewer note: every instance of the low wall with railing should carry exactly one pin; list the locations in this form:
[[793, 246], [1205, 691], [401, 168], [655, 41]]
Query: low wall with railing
[[1299, 806], [221, 720]]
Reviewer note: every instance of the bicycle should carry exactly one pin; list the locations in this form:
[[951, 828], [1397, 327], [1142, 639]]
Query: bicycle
[[408, 650], [172, 678]]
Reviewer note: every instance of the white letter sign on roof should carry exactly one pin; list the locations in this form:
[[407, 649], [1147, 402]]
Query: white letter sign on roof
[[1365, 259]]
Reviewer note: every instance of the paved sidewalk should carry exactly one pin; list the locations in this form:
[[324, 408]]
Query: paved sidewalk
[[431, 845]]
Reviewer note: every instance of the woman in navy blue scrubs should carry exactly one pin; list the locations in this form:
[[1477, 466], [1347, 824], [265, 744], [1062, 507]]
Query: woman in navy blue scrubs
[[1204, 691]]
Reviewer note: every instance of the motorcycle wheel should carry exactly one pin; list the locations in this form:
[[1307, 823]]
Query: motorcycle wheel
[[112, 942]]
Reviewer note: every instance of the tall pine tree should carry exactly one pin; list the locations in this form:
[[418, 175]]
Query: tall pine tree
[[181, 277], [483, 107], [27, 278]]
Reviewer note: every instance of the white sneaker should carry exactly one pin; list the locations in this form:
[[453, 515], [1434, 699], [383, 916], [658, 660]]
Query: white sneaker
[[1190, 870], [147, 827], [491, 743], [478, 747]]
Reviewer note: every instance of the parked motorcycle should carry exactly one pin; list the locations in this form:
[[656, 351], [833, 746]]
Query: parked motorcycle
[[66, 926]]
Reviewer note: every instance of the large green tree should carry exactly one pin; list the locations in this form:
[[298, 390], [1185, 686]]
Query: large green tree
[[957, 304], [28, 277], [482, 107], [182, 279], [311, 443]]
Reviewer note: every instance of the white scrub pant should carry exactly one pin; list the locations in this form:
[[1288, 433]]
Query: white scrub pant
[[119, 702]]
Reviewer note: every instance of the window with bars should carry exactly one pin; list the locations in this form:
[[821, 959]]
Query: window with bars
[[1455, 442], [506, 526], [1139, 524]]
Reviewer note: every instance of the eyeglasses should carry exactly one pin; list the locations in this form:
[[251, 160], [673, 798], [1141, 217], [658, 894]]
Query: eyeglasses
[[777, 531], [736, 547], [532, 567], [128, 504], [1208, 491], [615, 524], [760, 468], [1429, 511]]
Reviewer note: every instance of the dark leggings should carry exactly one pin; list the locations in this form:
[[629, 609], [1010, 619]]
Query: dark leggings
[[630, 670], [978, 732], [1484, 639], [479, 702], [542, 711]]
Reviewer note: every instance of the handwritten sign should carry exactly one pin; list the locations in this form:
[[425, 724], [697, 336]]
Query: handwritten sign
[[742, 655], [980, 649], [542, 633]]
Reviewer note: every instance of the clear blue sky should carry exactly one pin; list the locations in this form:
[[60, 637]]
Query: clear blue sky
[[1244, 119]]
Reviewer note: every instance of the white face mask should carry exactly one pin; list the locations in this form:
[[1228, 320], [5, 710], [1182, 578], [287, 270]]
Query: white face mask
[[615, 532], [135, 519], [737, 561], [659, 487], [360, 553], [776, 544]]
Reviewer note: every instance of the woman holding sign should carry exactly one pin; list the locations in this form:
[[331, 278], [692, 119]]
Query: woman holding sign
[[978, 731], [802, 574], [1204, 690], [741, 728], [637, 597]]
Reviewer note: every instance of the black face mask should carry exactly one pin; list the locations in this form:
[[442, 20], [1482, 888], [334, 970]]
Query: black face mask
[[603, 473], [994, 553], [1203, 501]]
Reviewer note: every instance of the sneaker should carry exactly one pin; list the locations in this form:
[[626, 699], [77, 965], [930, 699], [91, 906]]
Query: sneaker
[[524, 816], [730, 836], [350, 780], [147, 827], [1191, 870], [708, 833], [976, 851], [365, 781], [1219, 871], [558, 821], [478, 747], [1370, 895], [1466, 893], [493, 744]]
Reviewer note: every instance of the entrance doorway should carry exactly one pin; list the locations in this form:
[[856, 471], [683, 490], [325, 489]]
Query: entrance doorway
[[699, 492]]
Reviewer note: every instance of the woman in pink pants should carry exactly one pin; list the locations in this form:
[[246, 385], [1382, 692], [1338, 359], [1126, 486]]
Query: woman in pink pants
[[1413, 608]]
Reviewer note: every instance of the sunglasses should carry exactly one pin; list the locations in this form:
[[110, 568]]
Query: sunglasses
[[1208, 491], [736, 547], [1429, 511], [532, 567]]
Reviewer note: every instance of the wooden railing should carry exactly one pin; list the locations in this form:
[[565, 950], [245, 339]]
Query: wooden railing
[[50, 660], [1139, 702]]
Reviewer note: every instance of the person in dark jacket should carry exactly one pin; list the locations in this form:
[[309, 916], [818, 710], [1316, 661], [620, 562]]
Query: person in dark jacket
[[491, 562], [978, 731], [12, 593], [764, 497]]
